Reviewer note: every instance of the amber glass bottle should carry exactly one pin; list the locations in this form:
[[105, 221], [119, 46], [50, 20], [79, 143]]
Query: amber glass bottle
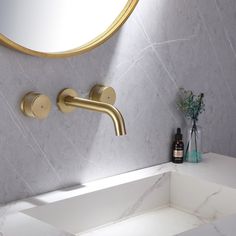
[[178, 148]]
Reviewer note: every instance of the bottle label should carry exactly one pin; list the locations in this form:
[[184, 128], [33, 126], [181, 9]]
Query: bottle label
[[178, 153]]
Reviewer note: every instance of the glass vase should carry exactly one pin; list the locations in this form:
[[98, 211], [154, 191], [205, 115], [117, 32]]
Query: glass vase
[[193, 151]]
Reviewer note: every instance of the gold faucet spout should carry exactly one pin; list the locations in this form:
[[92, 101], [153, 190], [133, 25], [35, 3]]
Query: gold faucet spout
[[113, 112], [102, 100]]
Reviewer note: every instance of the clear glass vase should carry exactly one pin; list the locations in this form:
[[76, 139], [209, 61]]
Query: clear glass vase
[[193, 151]]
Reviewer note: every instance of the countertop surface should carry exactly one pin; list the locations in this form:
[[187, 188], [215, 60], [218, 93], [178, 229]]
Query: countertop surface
[[214, 168]]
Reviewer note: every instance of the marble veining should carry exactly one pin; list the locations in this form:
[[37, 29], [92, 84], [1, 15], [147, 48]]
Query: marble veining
[[161, 198], [224, 227], [218, 230], [204, 203], [160, 194], [166, 44], [140, 201]]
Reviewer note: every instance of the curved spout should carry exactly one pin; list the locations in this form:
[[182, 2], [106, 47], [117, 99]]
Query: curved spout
[[113, 112]]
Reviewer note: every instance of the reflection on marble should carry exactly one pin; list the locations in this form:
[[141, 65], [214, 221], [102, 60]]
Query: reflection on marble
[[21, 224], [163, 222], [107, 205], [165, 44]]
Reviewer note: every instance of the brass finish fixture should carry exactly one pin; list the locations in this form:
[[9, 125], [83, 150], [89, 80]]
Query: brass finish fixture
[[120, 20], [63, 107], [36, 105], [104, 94], [68, 100]]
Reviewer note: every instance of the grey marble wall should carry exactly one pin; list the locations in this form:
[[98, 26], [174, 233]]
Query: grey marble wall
[[166, 44]]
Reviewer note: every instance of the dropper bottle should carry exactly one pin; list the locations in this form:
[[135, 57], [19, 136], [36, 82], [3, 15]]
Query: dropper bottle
[[178, 148]]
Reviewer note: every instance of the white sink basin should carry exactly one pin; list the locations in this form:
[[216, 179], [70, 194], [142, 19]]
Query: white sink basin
[[165, 204]]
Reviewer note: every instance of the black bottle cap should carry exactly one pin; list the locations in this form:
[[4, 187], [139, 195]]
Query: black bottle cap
[[178, 135]]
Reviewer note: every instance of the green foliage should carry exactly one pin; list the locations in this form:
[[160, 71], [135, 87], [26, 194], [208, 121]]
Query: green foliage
[[190, 104]]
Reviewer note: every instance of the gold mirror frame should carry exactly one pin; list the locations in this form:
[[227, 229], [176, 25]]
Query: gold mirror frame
[[120, 20]]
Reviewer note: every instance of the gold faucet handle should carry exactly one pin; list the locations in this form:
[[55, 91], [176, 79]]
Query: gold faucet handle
[[103, 94], [36, 105]]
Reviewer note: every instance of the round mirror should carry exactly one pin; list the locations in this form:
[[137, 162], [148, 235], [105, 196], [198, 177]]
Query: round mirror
[[59, 28]]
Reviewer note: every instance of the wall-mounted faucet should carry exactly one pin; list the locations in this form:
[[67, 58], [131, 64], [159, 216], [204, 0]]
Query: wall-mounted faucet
[[101, 99]]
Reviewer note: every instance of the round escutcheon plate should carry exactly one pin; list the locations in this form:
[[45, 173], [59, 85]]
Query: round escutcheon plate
[[60, 100]]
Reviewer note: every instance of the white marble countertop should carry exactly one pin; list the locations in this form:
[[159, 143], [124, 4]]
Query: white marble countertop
[[214, 168]]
